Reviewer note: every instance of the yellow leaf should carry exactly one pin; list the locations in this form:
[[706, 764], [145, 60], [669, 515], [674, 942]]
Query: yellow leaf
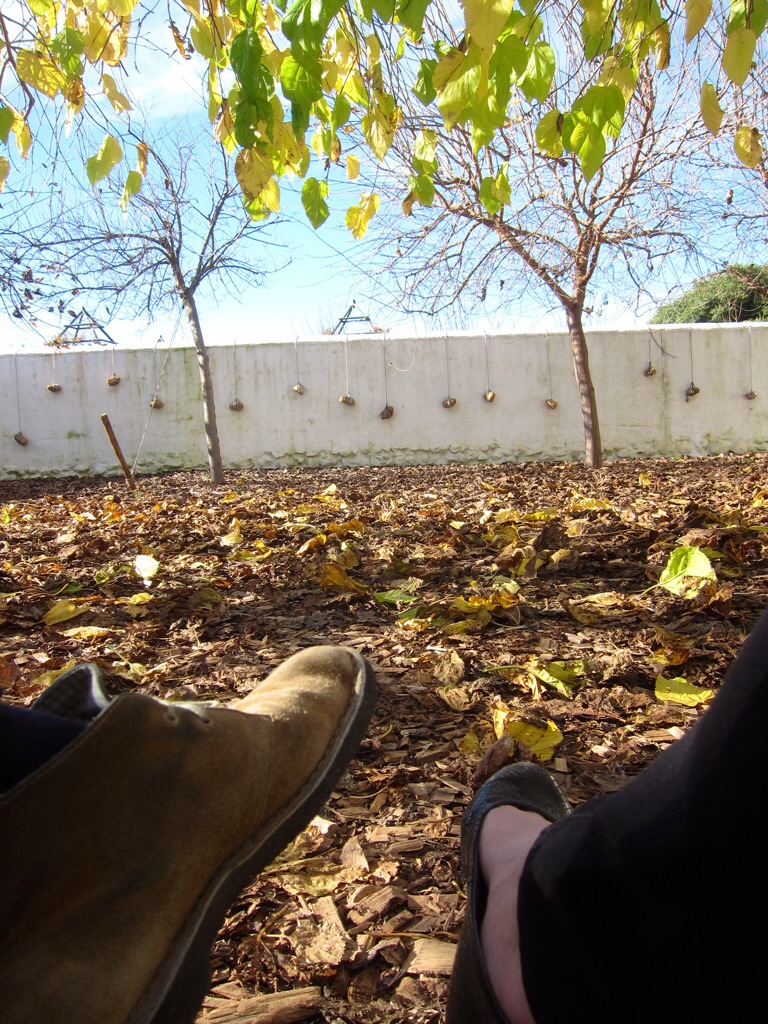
[[234, 537], [86, 632], [541, 742], [680, 691], [696, 14], [711, 111], [313, 544], [470, 744], [484, 20], [23, 135], [253, 169], [353, 167], [39, 72], [335, 576], [644, 480], [358, 217], [738, 54], [142, 155], [5, 169], [270, 197], [140, 598], [119, 100], [748, 146], [62, 611]]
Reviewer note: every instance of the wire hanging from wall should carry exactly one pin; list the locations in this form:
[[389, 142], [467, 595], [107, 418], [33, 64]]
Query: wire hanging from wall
[[449, 401], [53, 387], [692, 390], [387, 412], [750, 395], [157, 402], [346, 398], [298, 387], [488, 394], [550, 402], [19, 437], [235, 405], [650, 370]]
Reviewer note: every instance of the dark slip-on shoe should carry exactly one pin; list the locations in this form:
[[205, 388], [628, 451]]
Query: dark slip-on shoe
[[471, 999]]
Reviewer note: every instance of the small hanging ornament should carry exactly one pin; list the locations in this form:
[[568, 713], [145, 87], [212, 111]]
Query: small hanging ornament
[[157, 403], [236, 406], [691, 391], [751, 396], [449, 402], [299, 388], [347, 400], [54, 388], [387, 413], [113, 381], [551, 403], [20, 439], [650, 370], [489, 395]]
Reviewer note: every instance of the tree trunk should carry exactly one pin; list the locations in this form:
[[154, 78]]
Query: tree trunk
[[215, 465], [593, 448]]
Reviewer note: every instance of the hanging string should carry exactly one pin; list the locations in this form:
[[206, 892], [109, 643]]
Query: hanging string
[[346, 398], [551, 403], [448, 401], [235, 405], [19, 437], [650, 369], [750, 395], [489, 395], [152, 405], [114, 379], [298, 387], [387, 412], [53, 386], [692, 389]]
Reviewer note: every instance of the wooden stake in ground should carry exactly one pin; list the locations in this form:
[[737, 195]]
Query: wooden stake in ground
[[118, 452]]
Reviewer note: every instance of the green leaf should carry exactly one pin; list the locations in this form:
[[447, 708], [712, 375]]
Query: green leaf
[[488, 197], [548, 133], [422, 188], [696, 14], [711, 111], [680, 691], [423, 88], [378, 124], [395, 597], [313, 193], [686, 572], [110, 154], [411, 14], [747, 146], [307, 23], [133, 185], [342, 109], [485, 19], [738, 54], [67, 47], [301, 84], [245, 56], [584, 138], [7, 117], [537, 81]]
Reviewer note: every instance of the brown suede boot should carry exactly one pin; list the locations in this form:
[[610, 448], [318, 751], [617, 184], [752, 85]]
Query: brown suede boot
[[120, 856]]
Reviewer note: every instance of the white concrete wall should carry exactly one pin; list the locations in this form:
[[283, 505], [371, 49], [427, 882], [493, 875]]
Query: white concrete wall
[[639, 415]]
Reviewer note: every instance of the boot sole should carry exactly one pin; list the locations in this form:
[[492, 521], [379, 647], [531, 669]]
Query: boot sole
[[183, 979]]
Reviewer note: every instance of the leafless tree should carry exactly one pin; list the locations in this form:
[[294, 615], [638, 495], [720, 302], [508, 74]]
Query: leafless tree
[[558, 232], [185, 229]]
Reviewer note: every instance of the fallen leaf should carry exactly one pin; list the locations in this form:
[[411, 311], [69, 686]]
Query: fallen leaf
[[680, 691]]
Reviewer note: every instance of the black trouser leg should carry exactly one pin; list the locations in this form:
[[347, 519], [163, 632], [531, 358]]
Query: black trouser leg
[[652, 904], [28, 739]]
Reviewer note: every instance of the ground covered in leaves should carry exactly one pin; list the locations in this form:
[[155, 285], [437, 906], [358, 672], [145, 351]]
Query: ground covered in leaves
[[511, 611]]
